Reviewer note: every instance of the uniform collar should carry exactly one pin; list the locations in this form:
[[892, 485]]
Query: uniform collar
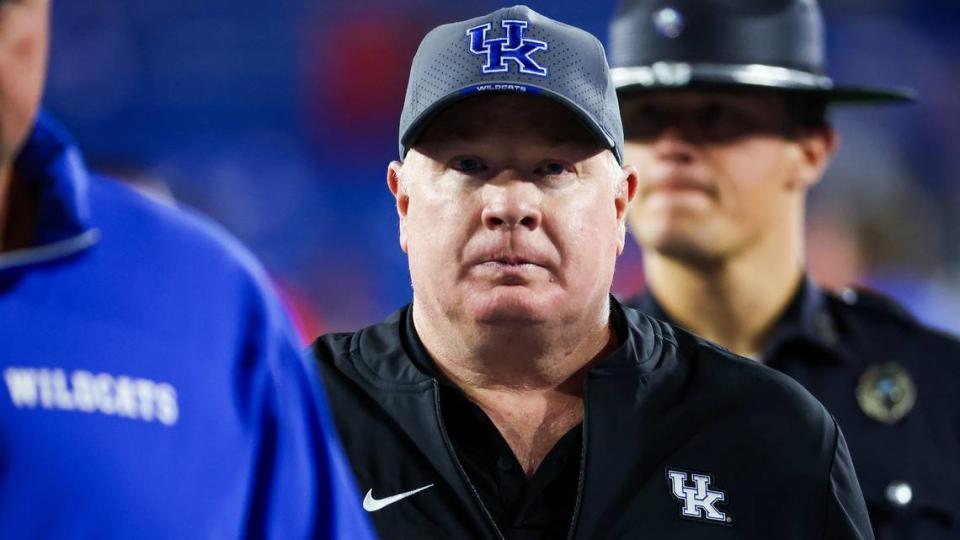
[[51, 163], [806, 320]]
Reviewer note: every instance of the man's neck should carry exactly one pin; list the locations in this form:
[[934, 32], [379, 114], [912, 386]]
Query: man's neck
[[18, 211], [6, 182], [735, 302], [513, 356], [529, 382]]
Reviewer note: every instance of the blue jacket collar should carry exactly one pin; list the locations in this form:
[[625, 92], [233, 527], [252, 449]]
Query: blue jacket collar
[[51, 161]]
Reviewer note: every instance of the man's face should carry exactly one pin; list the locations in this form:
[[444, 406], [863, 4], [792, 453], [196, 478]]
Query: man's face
[[717, 170], [23, 62], [511, 213]]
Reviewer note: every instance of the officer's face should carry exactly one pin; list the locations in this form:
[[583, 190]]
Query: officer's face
[[23, 60], [718, 170], [511, 213]]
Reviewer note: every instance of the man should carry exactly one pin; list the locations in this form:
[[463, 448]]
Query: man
[[151, 385], [724, 113], [515, 398]]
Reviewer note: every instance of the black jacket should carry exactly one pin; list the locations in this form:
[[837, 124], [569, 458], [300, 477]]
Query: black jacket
[[840, 347], [772, 463]]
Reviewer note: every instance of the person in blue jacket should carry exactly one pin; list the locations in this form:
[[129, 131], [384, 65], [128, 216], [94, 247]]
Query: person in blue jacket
[[152, 386]]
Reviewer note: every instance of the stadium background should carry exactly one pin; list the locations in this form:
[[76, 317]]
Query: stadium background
[[278, 119]]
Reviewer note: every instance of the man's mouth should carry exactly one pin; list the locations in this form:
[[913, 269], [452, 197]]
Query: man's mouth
[[510, 261], [509, 270], [510, 265]]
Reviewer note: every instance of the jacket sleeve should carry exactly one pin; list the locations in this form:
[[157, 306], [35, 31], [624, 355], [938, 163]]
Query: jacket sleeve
[[846, 514], [304, 485]]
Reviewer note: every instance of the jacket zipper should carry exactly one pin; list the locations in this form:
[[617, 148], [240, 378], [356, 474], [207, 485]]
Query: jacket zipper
[[456, 461], [583, 466]]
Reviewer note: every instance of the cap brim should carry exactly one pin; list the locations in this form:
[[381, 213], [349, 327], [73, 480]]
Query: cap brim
[[840, 95], [671, 76], [416, 128]]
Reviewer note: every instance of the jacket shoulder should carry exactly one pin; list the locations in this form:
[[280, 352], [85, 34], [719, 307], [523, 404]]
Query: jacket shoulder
[[749, 383], [328, 347], [122, 212], [373, 356], [206, 271]]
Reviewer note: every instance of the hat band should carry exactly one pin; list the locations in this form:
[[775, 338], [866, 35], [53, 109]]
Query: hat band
[[662, 74]]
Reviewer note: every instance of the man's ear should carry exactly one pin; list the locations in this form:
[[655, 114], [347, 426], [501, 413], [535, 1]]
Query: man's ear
[[816, 146], [626, 192], [398, 188]]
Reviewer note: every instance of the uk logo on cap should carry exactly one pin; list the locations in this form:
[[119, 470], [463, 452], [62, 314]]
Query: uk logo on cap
[[514, 47]]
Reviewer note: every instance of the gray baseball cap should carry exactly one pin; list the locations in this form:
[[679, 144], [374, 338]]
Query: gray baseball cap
[[512, 50]]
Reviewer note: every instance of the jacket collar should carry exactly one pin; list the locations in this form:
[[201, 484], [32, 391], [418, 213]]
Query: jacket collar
[[52, 164], [391, 355]]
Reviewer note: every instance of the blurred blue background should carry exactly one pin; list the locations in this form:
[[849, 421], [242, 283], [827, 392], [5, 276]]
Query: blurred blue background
[[278, 120]]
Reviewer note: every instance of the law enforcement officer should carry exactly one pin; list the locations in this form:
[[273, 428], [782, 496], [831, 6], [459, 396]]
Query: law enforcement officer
[[151, 384], [515, 398], [724, 108]]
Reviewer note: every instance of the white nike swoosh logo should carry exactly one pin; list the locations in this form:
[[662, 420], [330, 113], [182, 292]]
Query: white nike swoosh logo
[[372, 505]]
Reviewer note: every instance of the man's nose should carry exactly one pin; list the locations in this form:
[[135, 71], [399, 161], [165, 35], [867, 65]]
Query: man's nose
[[511, 203], [675, 144]]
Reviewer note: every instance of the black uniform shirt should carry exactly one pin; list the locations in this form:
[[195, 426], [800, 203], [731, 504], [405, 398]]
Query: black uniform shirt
[[853, 352], [536, 508]]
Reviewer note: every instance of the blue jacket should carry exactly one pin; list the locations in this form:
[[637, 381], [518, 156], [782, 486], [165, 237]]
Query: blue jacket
[[152, 386]]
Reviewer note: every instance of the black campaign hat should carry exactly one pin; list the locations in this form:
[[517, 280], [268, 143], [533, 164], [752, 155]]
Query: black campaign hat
[[778, 44]]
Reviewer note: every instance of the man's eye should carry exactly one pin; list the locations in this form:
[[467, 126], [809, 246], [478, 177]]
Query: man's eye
[[717, 115], [551, 168], [468, 164]]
